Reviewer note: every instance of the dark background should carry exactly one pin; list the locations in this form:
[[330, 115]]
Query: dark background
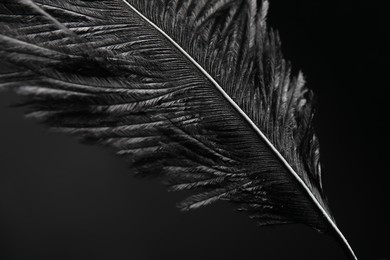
[[62, 200]]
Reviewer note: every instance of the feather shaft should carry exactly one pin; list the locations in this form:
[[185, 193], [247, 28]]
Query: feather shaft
[[255, 128]]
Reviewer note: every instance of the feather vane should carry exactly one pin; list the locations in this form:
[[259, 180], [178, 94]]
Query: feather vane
[[196, 92]]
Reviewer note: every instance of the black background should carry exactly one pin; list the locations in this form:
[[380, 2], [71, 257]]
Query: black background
[[62, 200]]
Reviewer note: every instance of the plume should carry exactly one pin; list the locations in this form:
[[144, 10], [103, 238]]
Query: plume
[[195, 92]]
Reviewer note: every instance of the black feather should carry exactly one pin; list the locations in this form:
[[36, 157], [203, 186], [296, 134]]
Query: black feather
[[194, 91]]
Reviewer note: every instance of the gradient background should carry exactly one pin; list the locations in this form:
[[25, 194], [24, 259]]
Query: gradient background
[[62, 200]]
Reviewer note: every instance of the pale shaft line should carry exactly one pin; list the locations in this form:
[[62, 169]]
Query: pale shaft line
[[252, 124]]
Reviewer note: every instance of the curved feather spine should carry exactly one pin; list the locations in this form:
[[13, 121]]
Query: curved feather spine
[[255, 128]]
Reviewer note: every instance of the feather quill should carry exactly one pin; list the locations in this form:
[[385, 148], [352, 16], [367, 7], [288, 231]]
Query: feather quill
[[193, 91]]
